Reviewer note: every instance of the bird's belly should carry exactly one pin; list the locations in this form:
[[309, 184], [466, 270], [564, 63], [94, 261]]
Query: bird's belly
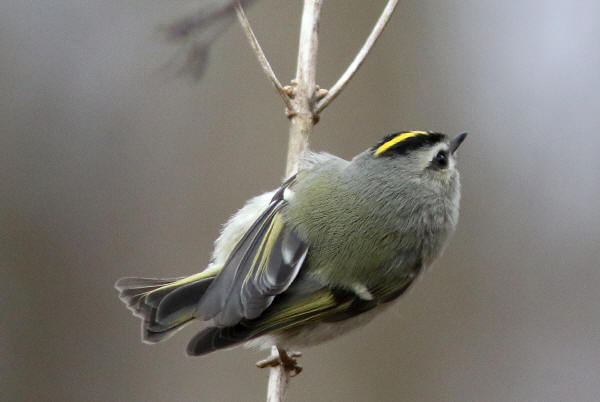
[[315, 333]]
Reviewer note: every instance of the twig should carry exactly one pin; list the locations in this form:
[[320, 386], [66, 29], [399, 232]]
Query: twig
[[283, 367], [305, 85], [335, 90], [262, 59], [279, 378]]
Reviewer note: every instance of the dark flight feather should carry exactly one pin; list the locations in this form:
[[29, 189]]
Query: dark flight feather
[[288, 311], [305, 302], [262, 265]]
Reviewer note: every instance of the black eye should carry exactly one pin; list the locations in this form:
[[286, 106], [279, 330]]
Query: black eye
[[440, 160]]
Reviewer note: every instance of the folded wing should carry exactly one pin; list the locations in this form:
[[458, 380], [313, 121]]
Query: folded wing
[[262, 265]]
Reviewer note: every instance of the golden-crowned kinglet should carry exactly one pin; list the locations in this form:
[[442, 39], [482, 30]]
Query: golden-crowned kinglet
[[334, 244]]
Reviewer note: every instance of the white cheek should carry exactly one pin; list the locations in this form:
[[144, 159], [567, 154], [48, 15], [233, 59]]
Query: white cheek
[[434, 151]]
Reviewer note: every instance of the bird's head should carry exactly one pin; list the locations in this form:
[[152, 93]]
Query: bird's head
[[416, 156]]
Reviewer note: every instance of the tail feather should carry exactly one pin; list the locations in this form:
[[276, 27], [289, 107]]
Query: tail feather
[[164, 305], [133, 291], [132, 282], [182, 300]]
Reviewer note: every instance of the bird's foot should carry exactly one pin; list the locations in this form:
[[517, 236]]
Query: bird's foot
[[286, 360]]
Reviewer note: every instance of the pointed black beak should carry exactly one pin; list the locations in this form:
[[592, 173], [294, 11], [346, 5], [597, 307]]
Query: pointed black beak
[[455, 143]]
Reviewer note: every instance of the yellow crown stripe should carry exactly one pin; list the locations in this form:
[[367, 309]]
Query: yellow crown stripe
[[397, 139]]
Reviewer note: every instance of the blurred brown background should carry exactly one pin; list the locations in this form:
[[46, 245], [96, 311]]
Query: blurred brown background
[[112, 166]]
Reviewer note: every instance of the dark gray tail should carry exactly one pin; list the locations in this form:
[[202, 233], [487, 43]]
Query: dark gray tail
[[164, 305]]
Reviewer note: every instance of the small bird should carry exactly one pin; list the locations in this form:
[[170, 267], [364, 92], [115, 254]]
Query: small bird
[[321, 255]]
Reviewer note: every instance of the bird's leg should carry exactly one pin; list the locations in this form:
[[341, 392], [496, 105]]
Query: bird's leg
[[289, 361], [285, 359]]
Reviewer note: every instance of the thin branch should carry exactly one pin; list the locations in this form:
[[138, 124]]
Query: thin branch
[[283, 367], [335, 90], [303, 121], [278, 380], [262, 59]]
